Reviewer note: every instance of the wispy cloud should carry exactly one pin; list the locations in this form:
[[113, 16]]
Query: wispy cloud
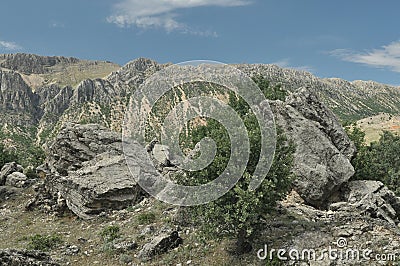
[[163, 13], [56, 24], [388, 56], [9, 46], [285, 63]]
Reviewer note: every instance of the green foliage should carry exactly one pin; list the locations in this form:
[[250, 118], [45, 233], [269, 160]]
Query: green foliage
[[31, 173], [271, 92], [6, 156], [379, 161], [355, 134], [239, 212], [146, 218], [110, 233], [27, 153], [44, 242]]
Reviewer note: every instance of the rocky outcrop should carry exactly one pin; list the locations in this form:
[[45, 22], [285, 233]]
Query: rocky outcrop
[[102, 184], [8, 169], [371, 197], [25, 258], [17, 99], [33, 64], [77, 143], [312, 108], [18, 180], [323, 150], [87, 169], [304, 228], [54, 100], [160, 244]]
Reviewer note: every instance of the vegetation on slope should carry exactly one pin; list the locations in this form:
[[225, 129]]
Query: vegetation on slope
[[239, 212], [378, 160]]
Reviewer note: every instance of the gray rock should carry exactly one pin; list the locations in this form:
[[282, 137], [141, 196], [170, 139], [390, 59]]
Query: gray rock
[[71, 250], [89, 171], [103, 183], [323, 150], [160, 244], [33, 64], [18, 180], [124, 246], [25, 258], [76, 144], [8, 169], [373, 197]]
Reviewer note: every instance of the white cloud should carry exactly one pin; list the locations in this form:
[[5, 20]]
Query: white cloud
[[9, 46], [388, 56], [163, 13]]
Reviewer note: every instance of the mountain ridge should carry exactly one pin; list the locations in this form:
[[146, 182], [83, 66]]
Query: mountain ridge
[[42, 109]]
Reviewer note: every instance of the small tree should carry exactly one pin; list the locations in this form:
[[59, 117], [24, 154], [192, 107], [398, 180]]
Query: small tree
[[239, 212]]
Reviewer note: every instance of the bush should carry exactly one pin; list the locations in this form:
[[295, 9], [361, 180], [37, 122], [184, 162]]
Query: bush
[[44, 243], [379, 160], [110, 233], [146, 218], [239, 212]]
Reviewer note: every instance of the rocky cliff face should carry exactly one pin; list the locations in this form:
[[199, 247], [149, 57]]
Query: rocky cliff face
[[348, 100], [33, 64], [104, 100], [18, 104]]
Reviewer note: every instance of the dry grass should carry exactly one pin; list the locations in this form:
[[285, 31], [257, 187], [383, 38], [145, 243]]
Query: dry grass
[[71, 75], [17, 225], [375, 125]]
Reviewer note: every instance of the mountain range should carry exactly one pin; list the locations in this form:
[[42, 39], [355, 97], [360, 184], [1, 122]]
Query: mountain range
[[40, 93]]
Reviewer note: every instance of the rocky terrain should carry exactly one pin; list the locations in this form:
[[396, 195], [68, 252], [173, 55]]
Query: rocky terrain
[[87, 208]]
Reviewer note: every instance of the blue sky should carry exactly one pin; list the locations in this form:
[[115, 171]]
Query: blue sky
[[352, 39]]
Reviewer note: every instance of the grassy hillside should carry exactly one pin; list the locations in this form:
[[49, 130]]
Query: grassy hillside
[[374, 126]]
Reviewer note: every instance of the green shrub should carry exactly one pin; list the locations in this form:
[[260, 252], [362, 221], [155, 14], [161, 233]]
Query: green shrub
[[110, 233], [239, 212], [379, 160], [44, 242], [146, 218]]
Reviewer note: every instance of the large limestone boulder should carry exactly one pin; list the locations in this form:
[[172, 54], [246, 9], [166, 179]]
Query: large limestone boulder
[[102, 184], [77, 143], [323, 150], [87, 169]]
